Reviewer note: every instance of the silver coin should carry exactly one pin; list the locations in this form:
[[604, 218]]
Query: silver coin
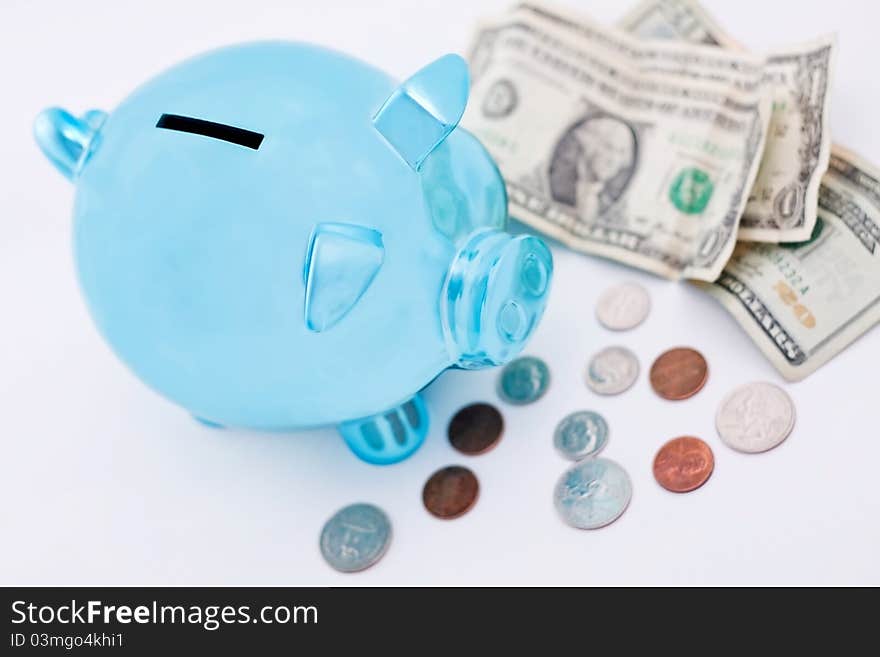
[[623, 306], [581, 434], [755, 417], [523, 380], [355, 537], [612, 370], [592, 493]]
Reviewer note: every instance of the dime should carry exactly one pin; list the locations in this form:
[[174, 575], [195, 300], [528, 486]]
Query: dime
[[450, 492], [581, 434], [355, 537], [679, 373], [475, 429], [612, 370], [524, 380], [755, 417], [623, 306], [592, 493], [683, 464]]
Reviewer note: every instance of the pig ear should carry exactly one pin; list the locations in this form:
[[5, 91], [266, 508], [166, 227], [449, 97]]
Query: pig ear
[[341, 262], [67, 140], [422, 111]]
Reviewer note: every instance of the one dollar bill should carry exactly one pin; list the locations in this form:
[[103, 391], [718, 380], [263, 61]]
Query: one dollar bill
[[804, 303], [680, 20], [605, 149], [782, 203]]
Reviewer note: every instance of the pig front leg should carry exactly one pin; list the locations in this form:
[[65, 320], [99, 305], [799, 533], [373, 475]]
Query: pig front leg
[[388, 437]]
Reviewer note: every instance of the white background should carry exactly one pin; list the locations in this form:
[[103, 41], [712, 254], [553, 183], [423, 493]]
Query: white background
[[104, 482]]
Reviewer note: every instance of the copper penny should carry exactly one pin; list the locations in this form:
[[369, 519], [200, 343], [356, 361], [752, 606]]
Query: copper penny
[[475, 429], [450, 492], [683, 464], [679, 373]]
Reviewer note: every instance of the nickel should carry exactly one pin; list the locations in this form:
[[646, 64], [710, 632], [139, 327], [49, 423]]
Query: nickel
[[683, 464], [581, 434], [679, 373], [475, 429], [450, 492], [623, 306], [592, 493], [755, 417], [612, 371], [355, 537]]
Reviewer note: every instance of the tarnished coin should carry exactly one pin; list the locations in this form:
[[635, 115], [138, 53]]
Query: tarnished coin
[[581, 434], [450, 492], [679, 373], [523, 380], [683, 464], [755, 417], [623, 306], [475, 429], [592, 493], [612, 370], [355, 537]]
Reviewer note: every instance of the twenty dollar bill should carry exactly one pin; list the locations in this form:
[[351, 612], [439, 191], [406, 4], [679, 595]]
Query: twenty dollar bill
[[804, 303]]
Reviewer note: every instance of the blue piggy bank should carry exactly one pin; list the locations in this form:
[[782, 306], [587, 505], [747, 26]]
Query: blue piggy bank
[[277, 236]]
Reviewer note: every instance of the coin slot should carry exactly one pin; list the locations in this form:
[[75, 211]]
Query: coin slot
[[221, 131]]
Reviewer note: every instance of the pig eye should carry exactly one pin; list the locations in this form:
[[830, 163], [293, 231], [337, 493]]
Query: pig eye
[[220, 131]]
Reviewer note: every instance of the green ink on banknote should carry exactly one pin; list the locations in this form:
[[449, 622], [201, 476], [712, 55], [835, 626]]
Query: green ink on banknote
[[817, 230], [691, 191]]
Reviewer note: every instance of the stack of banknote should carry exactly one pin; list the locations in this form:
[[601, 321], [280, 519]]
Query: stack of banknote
[[664, 144]]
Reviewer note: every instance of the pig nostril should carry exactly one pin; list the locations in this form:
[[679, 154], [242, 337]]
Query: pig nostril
[[512, 321], [534, 275]]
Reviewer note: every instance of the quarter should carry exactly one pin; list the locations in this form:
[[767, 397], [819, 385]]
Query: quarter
[[592, 493], [755, 417], [355, 537]]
